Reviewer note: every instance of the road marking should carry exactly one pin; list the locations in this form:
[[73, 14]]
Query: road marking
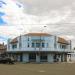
[[42, 71]]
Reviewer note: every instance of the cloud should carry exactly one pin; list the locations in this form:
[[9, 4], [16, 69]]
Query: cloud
[[38, 7], [57, 15]]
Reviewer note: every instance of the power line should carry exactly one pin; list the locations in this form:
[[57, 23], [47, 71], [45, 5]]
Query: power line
[[43, 24]]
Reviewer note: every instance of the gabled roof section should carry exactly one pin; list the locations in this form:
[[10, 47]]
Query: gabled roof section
[[38, 34], [15, 40], [62, 40]]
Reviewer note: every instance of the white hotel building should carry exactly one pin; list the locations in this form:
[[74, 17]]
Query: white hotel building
[[39, 47]]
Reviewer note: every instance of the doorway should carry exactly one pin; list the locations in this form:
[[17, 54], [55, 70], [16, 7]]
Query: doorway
[[32, 57]]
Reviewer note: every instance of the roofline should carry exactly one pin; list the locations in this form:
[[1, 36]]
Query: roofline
[[38, 34], [44, 34]]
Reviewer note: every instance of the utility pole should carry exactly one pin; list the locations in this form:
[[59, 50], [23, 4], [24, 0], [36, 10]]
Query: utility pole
[[40, 47]]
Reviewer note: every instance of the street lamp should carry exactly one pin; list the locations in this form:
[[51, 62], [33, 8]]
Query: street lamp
[[40, 47]]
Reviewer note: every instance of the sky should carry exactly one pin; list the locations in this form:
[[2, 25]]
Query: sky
[[32, 15]]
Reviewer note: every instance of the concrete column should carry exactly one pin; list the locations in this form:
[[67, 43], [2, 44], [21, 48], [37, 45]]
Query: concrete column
[[18, 58], [69, 58], [63, 57], [60, 58], [50, 58], [25, 58], [37, 58]]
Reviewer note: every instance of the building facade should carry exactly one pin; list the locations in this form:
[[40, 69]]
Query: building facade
[[72, 56], [3, 49], [39, 47]]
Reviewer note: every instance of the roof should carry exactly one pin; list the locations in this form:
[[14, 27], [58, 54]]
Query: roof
[[62, 40], [14, 40], [38, 34]]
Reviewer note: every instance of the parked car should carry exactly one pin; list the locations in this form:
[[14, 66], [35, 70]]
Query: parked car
[[8, 60]]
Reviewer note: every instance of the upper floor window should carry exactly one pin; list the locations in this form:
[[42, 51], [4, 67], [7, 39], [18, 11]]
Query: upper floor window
[[47, 44], [14, 46], [38, 45], [43, 44], [33, 44], [28, 38], [28, 44], [63, 46]]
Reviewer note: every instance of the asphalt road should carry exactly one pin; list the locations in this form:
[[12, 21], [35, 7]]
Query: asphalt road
[[38, 69]]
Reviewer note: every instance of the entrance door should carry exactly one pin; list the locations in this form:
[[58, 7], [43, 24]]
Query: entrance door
[[43, 57], [32, 57], [55, 58], [21, 57]]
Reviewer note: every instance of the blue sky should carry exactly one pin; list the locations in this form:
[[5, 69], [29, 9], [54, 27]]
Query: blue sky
[[2, 3], [2, 22], [5, 30]]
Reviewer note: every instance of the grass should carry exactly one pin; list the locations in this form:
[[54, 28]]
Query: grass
[[38, 69]]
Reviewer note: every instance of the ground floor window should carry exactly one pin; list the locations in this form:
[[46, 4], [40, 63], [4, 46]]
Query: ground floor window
[[43, 57], [32, 57]]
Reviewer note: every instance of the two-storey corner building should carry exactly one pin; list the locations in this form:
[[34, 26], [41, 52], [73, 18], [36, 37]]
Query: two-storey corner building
[[39, 47]]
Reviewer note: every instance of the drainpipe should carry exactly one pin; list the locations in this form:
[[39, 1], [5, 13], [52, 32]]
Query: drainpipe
[[70, 48], [20, 42], [40, 46], [55, 42], [70, 45]]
